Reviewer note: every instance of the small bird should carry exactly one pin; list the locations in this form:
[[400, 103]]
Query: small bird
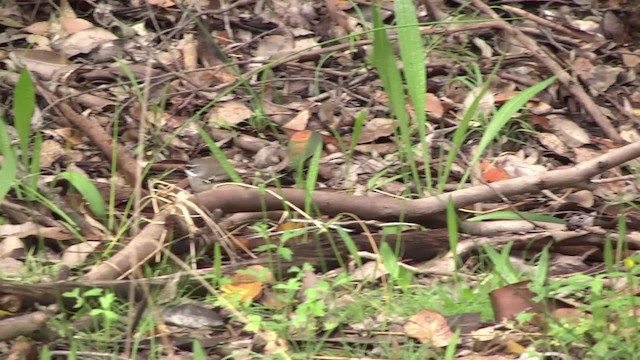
[[204, 173]]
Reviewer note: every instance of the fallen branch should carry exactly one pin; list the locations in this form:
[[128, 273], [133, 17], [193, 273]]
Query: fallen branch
[[235, 198]]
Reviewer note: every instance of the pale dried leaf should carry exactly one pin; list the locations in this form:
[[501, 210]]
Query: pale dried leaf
[[193, 316], [275, 46], [600, 78], [161, 3], [568, 131], [517, 167], [371, 270], [229, 113], [485, 106], [50, 151], [299, 122], [66, 10], [583, 198], [76, 254], [42, 62], [553, 143], [16, 230], [429, 327], [582, 66], [630, 58], [10, 266], [587, 26], [38, 28], [83, 42], [190, 52], [9, 245], [74, 25], [434, 106], [377, 128]]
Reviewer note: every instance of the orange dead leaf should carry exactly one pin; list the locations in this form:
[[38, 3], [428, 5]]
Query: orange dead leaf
[[242, 292], [302, 145], [491, 173], [289, 225]]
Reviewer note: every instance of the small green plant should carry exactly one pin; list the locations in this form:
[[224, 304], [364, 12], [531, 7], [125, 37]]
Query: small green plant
[[22, 176]]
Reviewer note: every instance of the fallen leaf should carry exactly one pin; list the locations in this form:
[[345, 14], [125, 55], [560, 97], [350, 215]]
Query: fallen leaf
[[74, 25], [429, 327], [302, 145], [42, 62], [491, 173], [299, 122], [229, 113], [84, 41], [377, 128], [568, 131]]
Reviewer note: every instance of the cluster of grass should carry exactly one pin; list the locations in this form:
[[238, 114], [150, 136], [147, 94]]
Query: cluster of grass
[[593, 336]]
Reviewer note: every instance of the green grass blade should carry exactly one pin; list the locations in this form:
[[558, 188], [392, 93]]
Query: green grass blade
[[9, 169], [454, 234], [352, 248], [510, 215], [542, 269], [384, 61], [502, 117], [412, 54], [462, 131], [312, 178], [222, 159], [24, 100]]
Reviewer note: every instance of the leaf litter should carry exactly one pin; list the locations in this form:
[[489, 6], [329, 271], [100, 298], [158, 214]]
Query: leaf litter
[[129, 93]]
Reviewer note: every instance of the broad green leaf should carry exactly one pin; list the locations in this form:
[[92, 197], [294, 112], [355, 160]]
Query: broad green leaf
[[9, 169], [502, 117], [219, 155], [88, 190], [390, 260], [412, 53], [24, 102], [510, 215]]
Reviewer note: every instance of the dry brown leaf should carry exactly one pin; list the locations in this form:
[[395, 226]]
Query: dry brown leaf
[[275, 46], [190, 52], [50, 151], [629, 58], [83, 42], [553, 143], [514, 348], [229, 113], [161, 3], [9, 245], [42, 62], [76, 254], [434, 106], [485, 106], [429, 327], [38, 28], [583, 198], [568, 131], [74, 25], [299, 122], [377, 128]]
